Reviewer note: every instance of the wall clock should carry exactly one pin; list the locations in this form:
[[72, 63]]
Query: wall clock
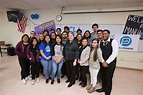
[[58, 18]]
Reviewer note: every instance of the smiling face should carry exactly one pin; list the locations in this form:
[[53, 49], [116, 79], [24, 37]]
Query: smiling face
[[100, 34], [94, 43], [47, 39], [45, 33], [84, 42], [87, 34], [71, 37], [53, 36], [106, 35], [25, 39], [41, 37], [34, 42], [79, 37], [58, 39]]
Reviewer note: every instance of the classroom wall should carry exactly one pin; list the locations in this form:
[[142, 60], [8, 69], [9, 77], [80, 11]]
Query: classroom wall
[[9, 33]]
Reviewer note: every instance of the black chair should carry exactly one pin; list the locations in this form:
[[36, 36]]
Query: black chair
[[0, 52]]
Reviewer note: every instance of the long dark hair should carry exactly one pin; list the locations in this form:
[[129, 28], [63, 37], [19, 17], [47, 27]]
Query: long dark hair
[[60, 42], [77, 37], [31, 44], [44, 42], [46, 31], [51, 35], [60, 38], [85, 33], [95, 50], [84, 39]]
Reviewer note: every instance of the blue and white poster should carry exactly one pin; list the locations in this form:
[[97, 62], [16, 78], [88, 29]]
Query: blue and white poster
[[127, 42]]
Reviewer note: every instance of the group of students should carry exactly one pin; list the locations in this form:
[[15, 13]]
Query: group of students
[[74, 56]]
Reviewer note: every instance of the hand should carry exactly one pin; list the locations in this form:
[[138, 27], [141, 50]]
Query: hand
[[74, 63], [78, 61], [105, 64], [29, 58], [48, 57], [58, 61]]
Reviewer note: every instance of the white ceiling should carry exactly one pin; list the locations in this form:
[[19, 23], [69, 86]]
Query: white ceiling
[[42, 4]]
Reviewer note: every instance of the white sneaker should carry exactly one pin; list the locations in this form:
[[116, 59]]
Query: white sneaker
[[26, 78], [37, 80], [23, 81], [33, 82], [30, 77]]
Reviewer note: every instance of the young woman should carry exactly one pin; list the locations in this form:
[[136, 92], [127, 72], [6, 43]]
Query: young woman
[[79, 39], [79, 31], [94, 66], [45, 51], [87, 35], [33, 55], [57, 59], [21, 50], [71, 54], [41, 38], [84, 53], [52, 39], [46, 32]]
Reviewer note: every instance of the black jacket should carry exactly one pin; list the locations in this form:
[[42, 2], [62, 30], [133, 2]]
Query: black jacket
[[71, 50]]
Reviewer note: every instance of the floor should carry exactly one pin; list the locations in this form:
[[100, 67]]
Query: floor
[[125, 82]]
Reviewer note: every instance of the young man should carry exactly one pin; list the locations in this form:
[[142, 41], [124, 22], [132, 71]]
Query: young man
[[100, 37], [109, 48], [58, 31], [64, 37], [32, 34], [64, 40], [67, 29], [94, 33]]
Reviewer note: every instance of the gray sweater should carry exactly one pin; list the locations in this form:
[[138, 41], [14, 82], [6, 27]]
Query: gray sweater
[[95, 64]]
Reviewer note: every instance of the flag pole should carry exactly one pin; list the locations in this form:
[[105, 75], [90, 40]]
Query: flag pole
[[31, 21]]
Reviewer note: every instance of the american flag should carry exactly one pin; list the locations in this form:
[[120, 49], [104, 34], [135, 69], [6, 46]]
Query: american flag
[[22, 24]]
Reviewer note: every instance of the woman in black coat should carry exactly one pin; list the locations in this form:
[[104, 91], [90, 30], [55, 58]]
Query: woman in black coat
[[71, 55]]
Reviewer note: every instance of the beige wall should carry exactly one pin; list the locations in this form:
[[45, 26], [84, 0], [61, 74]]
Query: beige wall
[[9, 33]]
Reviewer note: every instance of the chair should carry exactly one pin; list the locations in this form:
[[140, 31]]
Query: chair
[[3, 47]]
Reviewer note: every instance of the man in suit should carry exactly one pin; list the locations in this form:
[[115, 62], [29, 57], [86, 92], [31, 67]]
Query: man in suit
[[109, 48]]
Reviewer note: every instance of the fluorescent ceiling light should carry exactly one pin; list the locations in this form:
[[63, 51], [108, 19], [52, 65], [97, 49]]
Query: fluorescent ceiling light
[[74, 11]]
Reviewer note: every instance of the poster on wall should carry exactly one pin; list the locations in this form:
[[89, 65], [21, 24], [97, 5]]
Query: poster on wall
[[45, 26], [114, 29], [127, 42], [134, 25]]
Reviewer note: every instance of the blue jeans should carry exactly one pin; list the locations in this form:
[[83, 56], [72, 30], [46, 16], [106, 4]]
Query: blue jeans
[[56, 68], [47, 67]]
